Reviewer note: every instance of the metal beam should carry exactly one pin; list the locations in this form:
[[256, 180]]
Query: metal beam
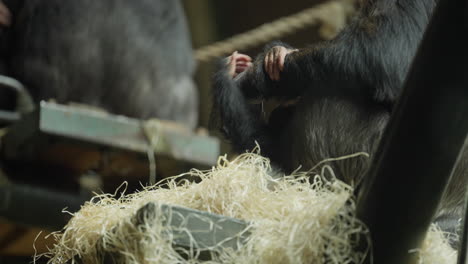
[[422, 142], [204, 232], [104, 129], [199, 229], [463, 250], [32, 206], [126, 133]]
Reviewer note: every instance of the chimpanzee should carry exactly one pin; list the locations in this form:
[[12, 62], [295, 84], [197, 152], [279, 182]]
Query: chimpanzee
[[345, 90], [128, 57]]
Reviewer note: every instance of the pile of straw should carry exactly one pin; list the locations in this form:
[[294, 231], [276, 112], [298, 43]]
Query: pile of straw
[[301, 218]]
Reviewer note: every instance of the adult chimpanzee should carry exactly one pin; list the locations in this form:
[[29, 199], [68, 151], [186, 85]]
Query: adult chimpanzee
[[128, 57], [346, 87]]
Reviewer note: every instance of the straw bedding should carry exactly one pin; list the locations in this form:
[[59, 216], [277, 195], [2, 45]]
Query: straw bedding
[[300, 218]]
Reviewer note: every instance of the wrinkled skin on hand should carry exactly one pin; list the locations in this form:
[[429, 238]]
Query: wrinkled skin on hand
[[274, 61], [238, 63]]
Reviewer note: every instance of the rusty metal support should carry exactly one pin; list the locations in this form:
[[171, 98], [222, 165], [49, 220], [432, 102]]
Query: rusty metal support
[[422, 142]]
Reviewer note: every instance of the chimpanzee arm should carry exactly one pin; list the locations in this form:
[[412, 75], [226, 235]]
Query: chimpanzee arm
[[369, 58], [255, 82], [302, 70], [240, 121], [355, 64]]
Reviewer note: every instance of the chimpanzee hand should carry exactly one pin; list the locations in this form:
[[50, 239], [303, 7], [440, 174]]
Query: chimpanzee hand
[[5, 15], [274, 61], [238, 63]]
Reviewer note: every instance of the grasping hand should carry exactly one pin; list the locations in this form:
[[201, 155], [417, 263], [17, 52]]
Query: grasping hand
[[5, 15], [274, 61], [238, 63]]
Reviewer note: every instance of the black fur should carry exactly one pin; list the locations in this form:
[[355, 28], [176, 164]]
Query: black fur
[[129, 57], [348, 87]]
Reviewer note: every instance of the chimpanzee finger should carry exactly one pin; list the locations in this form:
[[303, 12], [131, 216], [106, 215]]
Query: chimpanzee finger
[[232, 64], [4, 21], [277, 66], [278, 62], [242, 64], [265, 63], [243, 57], [231, 58], [281, 59], [248, 64], [273, 64], [4, 10], [268, 64], [240, 69], [228, 60], [5, 16]]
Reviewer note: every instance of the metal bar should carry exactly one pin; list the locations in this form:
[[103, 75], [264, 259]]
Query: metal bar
[[126, 133], [54, 123], [24, 101], [7, 117], [202, 230], [36, 207], [463, 250], [422, 142]]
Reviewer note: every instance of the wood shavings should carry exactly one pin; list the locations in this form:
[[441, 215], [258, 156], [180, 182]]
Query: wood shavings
[[300, 218]]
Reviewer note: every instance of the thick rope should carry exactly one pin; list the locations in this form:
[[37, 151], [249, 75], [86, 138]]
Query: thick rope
[[332, 15]]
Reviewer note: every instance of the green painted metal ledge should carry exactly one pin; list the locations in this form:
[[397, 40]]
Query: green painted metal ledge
[[113, 131]]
